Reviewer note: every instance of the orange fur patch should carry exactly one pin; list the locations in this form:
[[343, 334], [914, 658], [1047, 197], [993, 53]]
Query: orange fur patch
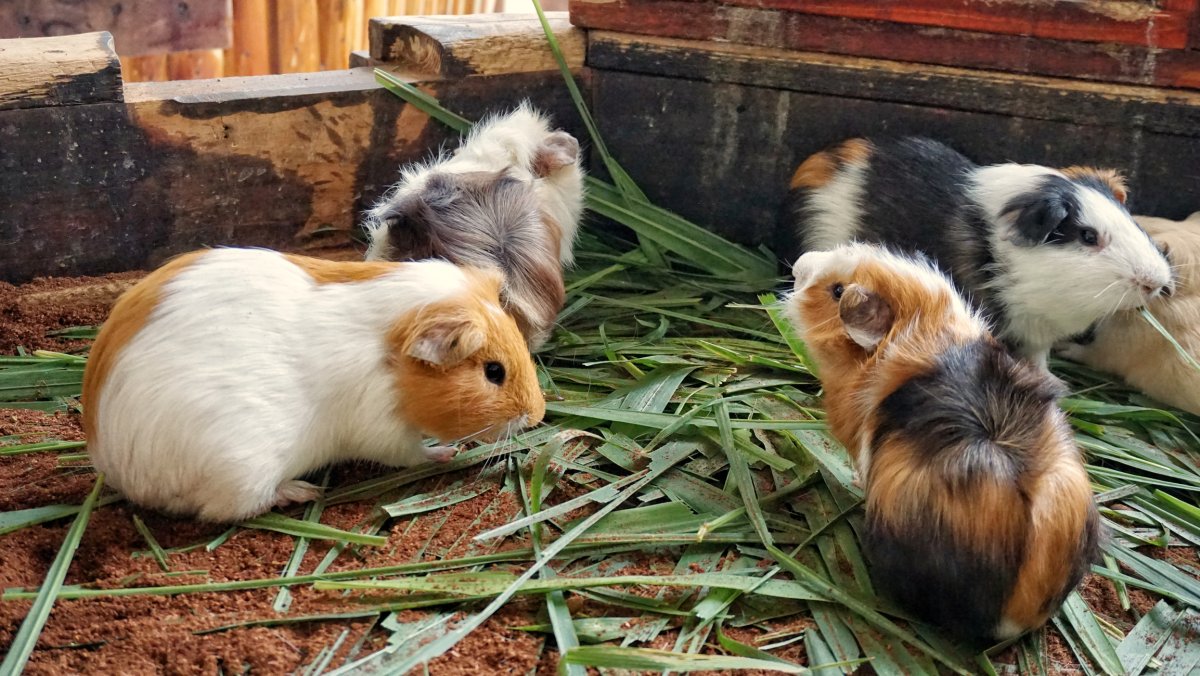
[[126, 320], [341, 272], [1110, 177], [457, 401], [1060, 505], [819, 168]]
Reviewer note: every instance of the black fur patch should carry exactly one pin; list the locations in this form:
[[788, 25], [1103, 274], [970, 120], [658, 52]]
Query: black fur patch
[[975, 415]]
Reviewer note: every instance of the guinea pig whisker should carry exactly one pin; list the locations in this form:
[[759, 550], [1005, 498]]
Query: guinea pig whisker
[[1110, 285]]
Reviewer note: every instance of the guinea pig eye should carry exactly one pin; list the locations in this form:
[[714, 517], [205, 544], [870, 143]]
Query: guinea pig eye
[[1089, 236], [837, 290], [494, 372]]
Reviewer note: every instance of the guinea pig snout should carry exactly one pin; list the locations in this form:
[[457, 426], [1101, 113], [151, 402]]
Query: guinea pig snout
[[1152, 287]]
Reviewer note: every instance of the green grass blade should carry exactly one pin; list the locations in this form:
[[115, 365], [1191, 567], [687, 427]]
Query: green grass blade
[[26, 639], [612, 657], [156, 550], [316, 531]]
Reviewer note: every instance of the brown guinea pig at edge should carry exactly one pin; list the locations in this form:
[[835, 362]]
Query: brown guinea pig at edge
[[979, 514]]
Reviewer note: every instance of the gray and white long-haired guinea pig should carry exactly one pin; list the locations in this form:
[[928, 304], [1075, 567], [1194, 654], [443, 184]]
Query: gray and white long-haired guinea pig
[[509, 197], [1043, 252]]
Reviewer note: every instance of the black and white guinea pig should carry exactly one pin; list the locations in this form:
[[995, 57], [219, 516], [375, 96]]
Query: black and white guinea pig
[[1044, 252], [510, 197], [1126, 345], [979, 513]]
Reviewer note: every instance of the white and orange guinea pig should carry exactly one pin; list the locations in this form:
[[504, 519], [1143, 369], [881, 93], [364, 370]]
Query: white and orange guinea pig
[[979, 515], [1126, 345], [510, 197], [227, 374]]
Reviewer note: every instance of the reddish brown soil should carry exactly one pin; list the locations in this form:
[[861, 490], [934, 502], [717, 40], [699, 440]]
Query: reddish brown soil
[[31, 311]]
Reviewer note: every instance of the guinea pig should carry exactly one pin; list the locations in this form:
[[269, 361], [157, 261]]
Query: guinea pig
[[225, 375], [510, 197], [1045, 253], [1125, 345], [979, 515]]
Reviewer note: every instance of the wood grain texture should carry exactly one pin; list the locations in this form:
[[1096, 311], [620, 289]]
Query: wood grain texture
[[139, 26], [286, 162], [296, 36], [1028, 96], [150, 68], [458, 46], [61, 71], [727, 156], [335, 47], [1162, 24], [889, 40], [251, 50]]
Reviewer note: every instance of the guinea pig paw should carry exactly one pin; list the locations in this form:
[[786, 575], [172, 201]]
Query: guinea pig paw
[[440, 453], [295, 491], [856, 480]]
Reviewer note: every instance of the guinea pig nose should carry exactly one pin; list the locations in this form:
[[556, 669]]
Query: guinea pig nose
[[1166, 291]]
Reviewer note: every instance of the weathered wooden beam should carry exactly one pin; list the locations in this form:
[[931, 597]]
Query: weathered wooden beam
[[890, 40], [286, 162], [1163, 24], [715, 131], [61, 71], [1034, 97], [139, 26], [482, 44]]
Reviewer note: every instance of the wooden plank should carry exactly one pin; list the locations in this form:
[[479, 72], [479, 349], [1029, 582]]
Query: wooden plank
[[199, 64], [335, 48], [296, 25], [1161, 24], [886, 40], [356, 25], [251, 50], [725, 157], [61, 71], [1034, 97], [285, 161], [458, 46], [139, 26]]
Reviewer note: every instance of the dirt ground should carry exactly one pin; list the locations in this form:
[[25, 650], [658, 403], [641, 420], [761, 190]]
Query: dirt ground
[[149, 634]]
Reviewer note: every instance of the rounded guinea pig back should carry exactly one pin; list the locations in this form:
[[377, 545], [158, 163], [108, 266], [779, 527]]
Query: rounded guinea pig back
[[979, 513], [462, 368]]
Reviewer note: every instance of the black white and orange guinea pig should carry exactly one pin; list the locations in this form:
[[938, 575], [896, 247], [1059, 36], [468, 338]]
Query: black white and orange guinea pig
[[979, 516], [225, 375], [1044, 252], [509, 197], [1125, 345]]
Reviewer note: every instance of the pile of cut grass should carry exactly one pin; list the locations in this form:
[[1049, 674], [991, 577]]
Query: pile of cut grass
[[686, 422]]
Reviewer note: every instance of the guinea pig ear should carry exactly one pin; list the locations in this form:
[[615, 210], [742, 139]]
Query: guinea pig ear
[[1037, 216], [866, 316], [558, 150], [445, 340]]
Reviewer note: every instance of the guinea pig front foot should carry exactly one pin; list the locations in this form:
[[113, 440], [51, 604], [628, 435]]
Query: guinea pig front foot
[[295, 491], [856, 480], [440, 453]]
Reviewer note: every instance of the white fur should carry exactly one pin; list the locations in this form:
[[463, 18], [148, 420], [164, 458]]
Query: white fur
[[248, 374], [1052, 292], [503, 141], [836, 209]]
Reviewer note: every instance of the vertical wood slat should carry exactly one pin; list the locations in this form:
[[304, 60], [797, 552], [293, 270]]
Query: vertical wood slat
[[356, 25], [333, 29], [374, 8], [297, 41], [152, 68], [201, 64], [251, 50]]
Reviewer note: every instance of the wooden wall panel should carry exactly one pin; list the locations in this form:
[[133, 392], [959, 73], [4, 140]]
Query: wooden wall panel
[[139, 26]]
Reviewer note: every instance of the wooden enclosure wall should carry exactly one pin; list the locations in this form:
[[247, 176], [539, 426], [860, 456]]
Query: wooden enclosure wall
[[290, 36], [98, 177], [714, 130]]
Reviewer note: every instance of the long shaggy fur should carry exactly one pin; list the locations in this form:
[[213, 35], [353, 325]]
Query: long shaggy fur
[[979, 512], [510, 197]]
